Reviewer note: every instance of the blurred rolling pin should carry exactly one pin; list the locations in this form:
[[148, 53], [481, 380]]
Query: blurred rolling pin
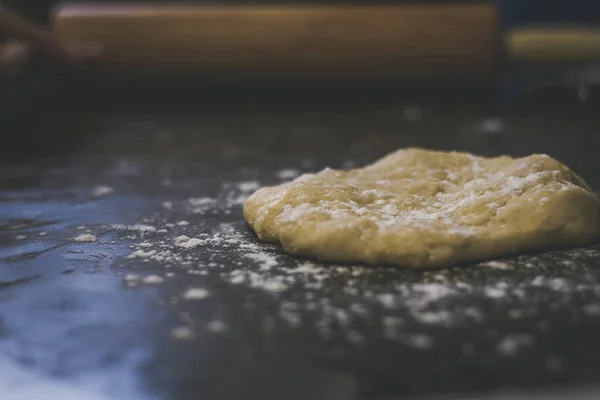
[[411, 41], [290, 42]]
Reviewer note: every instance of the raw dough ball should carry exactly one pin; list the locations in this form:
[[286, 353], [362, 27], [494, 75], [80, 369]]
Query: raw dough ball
[[420, 208]]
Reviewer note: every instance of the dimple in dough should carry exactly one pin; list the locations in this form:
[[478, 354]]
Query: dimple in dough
[[421, 208]]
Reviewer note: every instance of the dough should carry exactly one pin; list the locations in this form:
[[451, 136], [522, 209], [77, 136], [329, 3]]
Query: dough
[[421, 208]]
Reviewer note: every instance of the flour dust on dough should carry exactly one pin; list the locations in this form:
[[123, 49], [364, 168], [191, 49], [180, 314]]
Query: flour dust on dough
[[421, 208]]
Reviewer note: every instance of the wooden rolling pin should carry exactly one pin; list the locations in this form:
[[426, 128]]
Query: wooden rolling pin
[[291, 43]]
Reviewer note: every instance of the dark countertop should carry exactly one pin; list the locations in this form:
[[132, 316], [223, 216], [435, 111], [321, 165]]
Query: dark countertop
[[79, 316]]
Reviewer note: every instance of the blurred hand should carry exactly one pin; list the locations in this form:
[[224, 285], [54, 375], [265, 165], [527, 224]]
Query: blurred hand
[[23, 39]]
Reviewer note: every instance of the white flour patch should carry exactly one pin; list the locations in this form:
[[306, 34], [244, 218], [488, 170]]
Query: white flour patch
[[182, 333], [496, 265], [153, 280], [593, 309], [516, 313], [142, 254], [273, 284], [135, 228], [265, 260], [233, 194], [494, 292], [216, 326], [188, 243], [511, 345], [419, 341], [86, 237], [200, 205], [248, 186], [102, 190], [233, 199], [421, 295], [538, 281], [286, 174], [491, 126], [559, 284], [391, 326], [474, 313], [387, 300], [196, 294], [442, 317]]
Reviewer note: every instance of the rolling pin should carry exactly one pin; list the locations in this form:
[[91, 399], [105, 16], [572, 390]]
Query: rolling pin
[[357, 43], [293, 43]]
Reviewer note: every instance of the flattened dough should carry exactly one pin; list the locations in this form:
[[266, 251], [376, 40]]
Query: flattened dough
[[420, 208]]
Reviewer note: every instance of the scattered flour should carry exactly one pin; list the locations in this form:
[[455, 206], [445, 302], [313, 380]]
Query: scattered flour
[[435, 300]]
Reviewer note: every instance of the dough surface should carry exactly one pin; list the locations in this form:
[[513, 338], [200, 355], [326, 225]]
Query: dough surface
[[421, 208]]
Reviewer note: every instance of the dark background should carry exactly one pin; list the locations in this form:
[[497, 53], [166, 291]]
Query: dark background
[[68, 317]]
